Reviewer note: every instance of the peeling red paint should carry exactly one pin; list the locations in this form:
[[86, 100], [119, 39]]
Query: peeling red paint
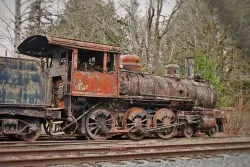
[[94, 84]]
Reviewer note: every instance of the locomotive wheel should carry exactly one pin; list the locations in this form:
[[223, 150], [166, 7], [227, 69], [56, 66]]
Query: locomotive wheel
[[33, 136], [164, 117], [188, 131], [212, 132], [136, 120], [99, 122]]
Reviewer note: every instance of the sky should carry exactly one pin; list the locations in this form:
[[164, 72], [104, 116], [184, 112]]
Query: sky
[[5, 35], [7, 10]]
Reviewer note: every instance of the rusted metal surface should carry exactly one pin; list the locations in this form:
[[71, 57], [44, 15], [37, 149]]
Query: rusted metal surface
[[28, 130], [139, 84], [188, 131], [207, 118], [105, 147], [79, 75], [208, 122], [99, 122], [136, 121], [205, 94], [34, 131], [66, 70], [172, 70], [34, 45], [83, 45], [164, 117], [59, 94], [9, 126], [94, 84], [204, 111], [27, 111], [130, 62], [31, 111]]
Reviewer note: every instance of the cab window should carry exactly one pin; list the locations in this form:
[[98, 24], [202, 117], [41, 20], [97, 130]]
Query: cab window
[[90, 61], [110, 62]]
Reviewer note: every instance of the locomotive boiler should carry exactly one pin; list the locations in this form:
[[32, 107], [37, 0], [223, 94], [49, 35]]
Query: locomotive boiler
[[142, 84], [91, 90]]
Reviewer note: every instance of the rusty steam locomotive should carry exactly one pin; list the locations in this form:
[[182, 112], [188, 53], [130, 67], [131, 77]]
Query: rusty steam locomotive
[[88, 89]]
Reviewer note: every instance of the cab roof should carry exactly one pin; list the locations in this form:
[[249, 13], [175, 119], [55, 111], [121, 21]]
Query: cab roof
[[35, 45]]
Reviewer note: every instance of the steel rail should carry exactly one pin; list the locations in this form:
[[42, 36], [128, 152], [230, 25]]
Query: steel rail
[[118, 153], [44, 146], [52, 142], [40, 151], [20, 143]]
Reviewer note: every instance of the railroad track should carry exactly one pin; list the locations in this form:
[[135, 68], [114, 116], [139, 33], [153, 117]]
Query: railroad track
[[50, 156], [50, 142]]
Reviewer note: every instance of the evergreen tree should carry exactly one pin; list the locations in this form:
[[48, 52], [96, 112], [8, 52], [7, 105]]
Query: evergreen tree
[[89, 20]]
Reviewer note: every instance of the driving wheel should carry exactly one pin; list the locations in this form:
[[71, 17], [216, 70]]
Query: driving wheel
[[99, 122], [135, 120], [164, 117]]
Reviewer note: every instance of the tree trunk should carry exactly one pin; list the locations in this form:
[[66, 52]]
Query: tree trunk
[[157, 34], [17, 29], [39, 16]]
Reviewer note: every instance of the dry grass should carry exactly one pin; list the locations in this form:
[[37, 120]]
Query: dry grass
[[238, 120]]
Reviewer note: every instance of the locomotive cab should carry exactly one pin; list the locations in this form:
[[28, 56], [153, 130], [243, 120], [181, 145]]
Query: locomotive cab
[[95, 73], [74, 70]]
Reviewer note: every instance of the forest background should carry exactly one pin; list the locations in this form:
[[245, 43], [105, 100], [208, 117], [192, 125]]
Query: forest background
[[161, 32]]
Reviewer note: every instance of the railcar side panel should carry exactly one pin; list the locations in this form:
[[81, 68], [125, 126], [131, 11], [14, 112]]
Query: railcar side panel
[[21, 82]]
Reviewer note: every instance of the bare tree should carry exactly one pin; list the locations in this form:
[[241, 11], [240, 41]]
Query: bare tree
[[147, 31], [162, 27], [133, 26]]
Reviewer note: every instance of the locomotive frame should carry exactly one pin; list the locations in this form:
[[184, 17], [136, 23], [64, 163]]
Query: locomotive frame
[[83, 98]]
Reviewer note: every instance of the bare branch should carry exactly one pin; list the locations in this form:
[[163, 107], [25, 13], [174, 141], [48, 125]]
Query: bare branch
[[6, 23], [167, 27], [25, 2], [6, 48], [8, 7]]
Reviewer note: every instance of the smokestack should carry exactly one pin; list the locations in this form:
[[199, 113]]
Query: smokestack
[[189, 68]]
